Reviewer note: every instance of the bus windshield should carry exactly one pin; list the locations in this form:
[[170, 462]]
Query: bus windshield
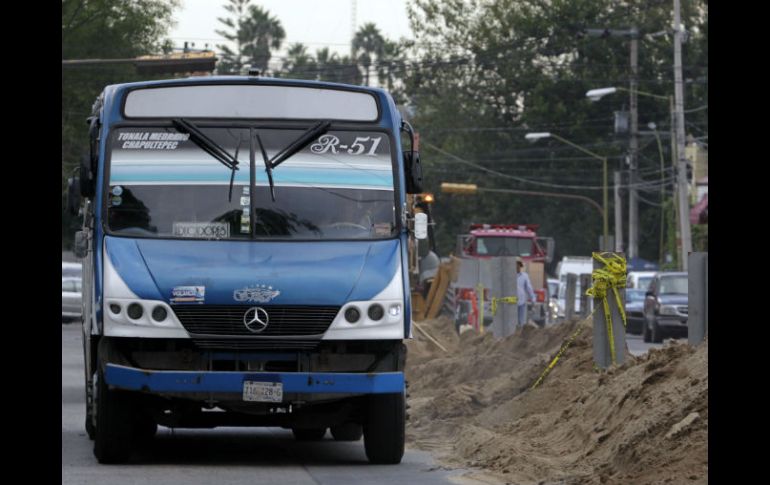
[[162, 184], [504, 246]]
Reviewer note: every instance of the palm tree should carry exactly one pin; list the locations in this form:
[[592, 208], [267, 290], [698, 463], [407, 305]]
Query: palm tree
[[391, 64], [266, 33], [254, 33], [325, 61], [367, 44], [299, 63], [335, 69]]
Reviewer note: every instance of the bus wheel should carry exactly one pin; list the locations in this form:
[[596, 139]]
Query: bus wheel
[[347, 432], [113, 437], [90, 428], [384, 428]]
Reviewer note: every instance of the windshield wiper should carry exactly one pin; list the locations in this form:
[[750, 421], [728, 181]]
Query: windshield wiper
[[268, 168], [312, 133], [209, 146]]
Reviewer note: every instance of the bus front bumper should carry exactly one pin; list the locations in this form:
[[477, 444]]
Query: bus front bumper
[[161, 381]]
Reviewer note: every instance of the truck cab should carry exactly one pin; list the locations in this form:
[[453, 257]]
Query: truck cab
[[486, 241]]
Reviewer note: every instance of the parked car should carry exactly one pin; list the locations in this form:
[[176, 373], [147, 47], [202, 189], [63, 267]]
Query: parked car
[[639, 279], [70, 299], [553, 300], [635, 310], [572, 264], [666, 307], [74, 270]]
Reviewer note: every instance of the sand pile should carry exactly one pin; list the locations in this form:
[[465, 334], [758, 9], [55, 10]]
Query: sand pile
[[645, 422]]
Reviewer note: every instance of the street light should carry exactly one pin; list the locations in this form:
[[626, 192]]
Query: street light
[[533, 137], [597, 94]]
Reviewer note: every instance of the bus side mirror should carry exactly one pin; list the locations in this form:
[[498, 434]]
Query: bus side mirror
[[73, 196], [549, 244], [80, 248], [413, 172], [87, 179], [421, 225]]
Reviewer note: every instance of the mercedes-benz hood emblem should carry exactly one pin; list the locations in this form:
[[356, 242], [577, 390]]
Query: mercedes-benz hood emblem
[[256, 319]]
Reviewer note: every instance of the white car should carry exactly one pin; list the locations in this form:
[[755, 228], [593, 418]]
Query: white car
[[70, 299], [71, 270], [639, 279], [71, 280], [553, 300]]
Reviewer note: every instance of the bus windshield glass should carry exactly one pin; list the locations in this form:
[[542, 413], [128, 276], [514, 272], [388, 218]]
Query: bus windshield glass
[[162, 184], [504, 246]]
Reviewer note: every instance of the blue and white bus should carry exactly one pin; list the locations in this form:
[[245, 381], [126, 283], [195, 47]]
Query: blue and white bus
[[244, 250]]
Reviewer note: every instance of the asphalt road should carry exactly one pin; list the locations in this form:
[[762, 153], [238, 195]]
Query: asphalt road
[[225, 455], [637, 346]]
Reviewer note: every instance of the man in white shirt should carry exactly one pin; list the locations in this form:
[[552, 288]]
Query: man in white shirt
[[523, 290]]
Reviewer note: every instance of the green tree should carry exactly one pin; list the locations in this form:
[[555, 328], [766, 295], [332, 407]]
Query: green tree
[[325, 62], [488, 72], [254, 32], [391, 66], [337, 69], [368, 46], [103, 29], [299, 63]]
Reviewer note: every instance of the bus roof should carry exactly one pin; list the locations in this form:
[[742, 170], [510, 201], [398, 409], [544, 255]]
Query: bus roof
[[312, 100], [197, 80]]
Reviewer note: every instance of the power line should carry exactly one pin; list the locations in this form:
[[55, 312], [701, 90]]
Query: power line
[[535, 182]]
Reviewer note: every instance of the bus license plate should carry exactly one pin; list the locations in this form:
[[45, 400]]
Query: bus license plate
[[262, 391]]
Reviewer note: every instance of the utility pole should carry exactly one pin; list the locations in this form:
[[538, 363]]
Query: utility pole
[[618, 215], [633, 199], [681, 173], [353, 23]]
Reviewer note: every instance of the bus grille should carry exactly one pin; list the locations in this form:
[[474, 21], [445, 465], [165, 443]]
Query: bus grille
[[207, 321], [245, 343]]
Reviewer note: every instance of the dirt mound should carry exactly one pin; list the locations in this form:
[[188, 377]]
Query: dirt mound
[[644, 422]]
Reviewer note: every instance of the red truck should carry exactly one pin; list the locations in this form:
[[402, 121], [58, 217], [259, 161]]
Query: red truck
[[495, 240]]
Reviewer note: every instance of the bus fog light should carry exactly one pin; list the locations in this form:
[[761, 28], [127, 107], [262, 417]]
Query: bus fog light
[[394, 310], [115, 308], [376, 312], [135, 311], [159, 313], [352, 314]]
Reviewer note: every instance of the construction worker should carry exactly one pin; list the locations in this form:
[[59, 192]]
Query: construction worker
[[524, 291]]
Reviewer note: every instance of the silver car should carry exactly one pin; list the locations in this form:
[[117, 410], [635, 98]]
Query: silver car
[[70, 299]]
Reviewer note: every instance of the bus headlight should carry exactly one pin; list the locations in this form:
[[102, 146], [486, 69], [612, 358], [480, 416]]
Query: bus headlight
[[394, 310]]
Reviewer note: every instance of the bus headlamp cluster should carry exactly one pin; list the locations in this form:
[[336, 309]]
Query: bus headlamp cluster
[[139, 312], [375, 312]]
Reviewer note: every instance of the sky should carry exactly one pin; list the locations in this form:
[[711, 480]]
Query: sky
[[315, 23]]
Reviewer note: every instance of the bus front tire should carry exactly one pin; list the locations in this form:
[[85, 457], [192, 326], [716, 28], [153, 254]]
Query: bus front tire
[[384, 428], [113, 436]]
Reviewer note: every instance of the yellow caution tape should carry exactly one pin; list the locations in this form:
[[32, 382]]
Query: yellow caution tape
[[512, 300], [563, 349], [611, 277]]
